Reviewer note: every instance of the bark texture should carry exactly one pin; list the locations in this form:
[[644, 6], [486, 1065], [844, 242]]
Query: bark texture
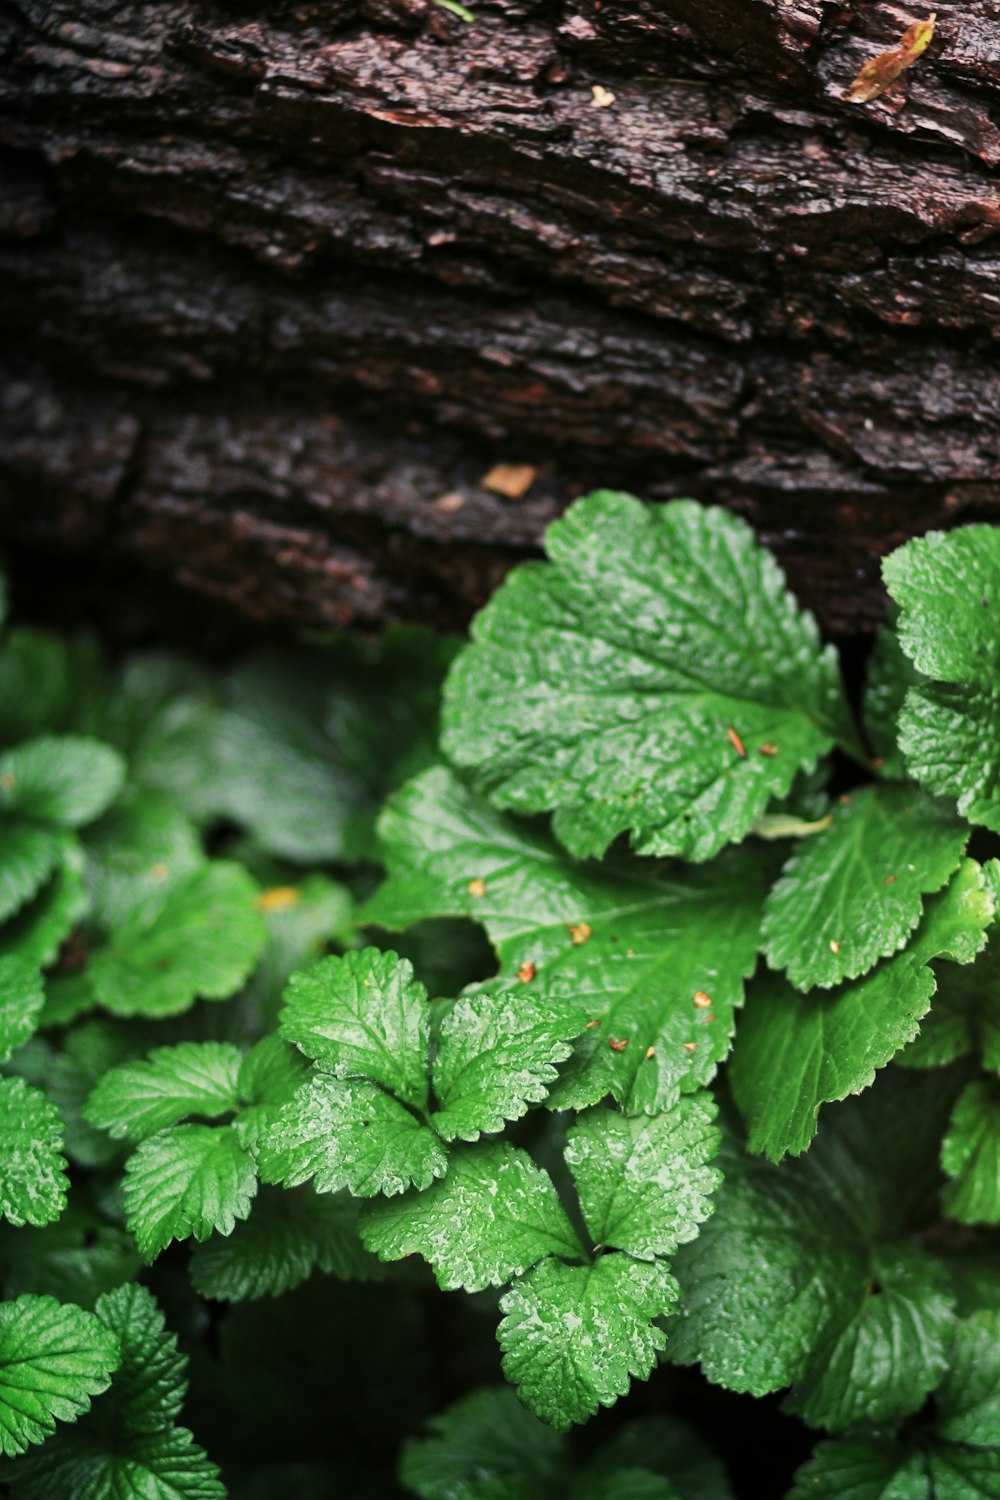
[[282, 283]]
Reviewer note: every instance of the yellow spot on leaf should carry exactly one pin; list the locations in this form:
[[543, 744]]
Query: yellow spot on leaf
[[580, 932], [702, 1000], [477, 888], [834, 946], [278, 898], [877, 74], [160, 871], [649, 1052], [690, 1046]]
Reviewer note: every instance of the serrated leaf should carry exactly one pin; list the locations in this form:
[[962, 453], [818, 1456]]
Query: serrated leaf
[[486, 1440], [128, 1445], [21, 999], [41, 926], [964, 1016], [270, 1075], [139, 1098], [854, 893], [53, 1359], [629, 683], [645, 1184], [806, 1275], [301, 920], [796, 1052], [32, 1167], [349, 1134], [186, 1182], [28, 856], [141, 846], [657, 936], [573, 1337], [363, 1016], [493, 1217], [496, 1056], [970, 1155], [63, 779], [888, 677], [285, 1239], [948, 588], [198, 940]]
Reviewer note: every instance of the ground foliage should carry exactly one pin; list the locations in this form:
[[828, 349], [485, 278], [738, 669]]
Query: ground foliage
[[649, 1004]]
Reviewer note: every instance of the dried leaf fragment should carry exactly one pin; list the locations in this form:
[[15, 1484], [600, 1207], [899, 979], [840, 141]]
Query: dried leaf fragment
[[579, 933], [616, 1044], [603, 98], [526, 972], [278, 898], [877, 74], [477, 888], [512, 481]]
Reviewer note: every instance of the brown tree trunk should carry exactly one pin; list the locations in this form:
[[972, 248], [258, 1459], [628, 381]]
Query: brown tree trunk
[[283, 284]]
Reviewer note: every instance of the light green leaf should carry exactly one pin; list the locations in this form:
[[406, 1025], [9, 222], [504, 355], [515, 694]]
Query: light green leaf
[[948, 588], [493, 1217], [349, 1135], [363, 1016], [32, 1167], [631, 682], [970, 1155], [186, 1182], [62, 779], [482, 1442], [139, 1098], [199, 939], [53, 1359], [574, 1336], [796, 1052], [28, 855], [496, 1056], [21, 999], [287, 1236], [128, 1446], [854, 893], [270, 1074], [40, 928], [658, 936], [139, 848], [806, 1273], [889, 676], [644, 1184]]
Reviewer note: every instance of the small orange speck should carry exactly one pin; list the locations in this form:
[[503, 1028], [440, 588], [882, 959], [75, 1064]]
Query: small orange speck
[[526, 972], [844, 800], [617, 1045], [580, 932], [649, 1052], [702, 1000], [630, 953], [834, 946], [888, 880], [768, 749], [710, 1016], [590, 1025], [477, 888], [736, 742], [278, 898], [690, 1046], [160, 871]]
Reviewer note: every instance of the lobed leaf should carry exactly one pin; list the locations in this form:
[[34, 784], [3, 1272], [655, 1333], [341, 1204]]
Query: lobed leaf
[[138, 1099], [53, 1359], [186, 1182]]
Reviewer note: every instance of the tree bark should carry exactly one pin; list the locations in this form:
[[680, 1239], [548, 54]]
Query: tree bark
[[283, 284]]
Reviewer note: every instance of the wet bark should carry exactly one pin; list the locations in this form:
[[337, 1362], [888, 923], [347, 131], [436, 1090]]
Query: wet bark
[[281, 286]]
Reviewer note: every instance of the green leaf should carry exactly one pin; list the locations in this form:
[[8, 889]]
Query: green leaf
[[658, 936], [198, 939], [349, 1135], [141, 846], [496, 1056], [32, 1167], [40, 928], [854, 893], [35, 669], [363, 1016], [618, 683], [301, 921], [964, 1016], [493, 1217], [138, 1099], [285, 1239], [796, 1052], [890, 675], [28, 856], [970, 1155], [186, 1182], [129, 1444], [63, 779], [948, 588], [671, 1448], [644, 1184], [956, 1456], [806, 1273], [53, 1359], [74, 1260], [574, 1336], [21, 1001], [488, 1445]]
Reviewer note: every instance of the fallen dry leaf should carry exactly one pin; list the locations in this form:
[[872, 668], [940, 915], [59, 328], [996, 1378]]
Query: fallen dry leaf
[[877, 74], [513, 481]]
